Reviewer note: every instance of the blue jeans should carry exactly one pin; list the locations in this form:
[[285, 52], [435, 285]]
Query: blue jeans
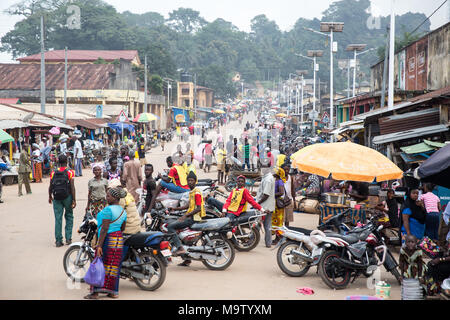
[[177, 225], [432, 225], [215, 203], [78, 167], [172, 187], [246, 162]]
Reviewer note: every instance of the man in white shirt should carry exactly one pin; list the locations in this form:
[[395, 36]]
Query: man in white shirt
[[266, 198], [78, 156], [289, 187]]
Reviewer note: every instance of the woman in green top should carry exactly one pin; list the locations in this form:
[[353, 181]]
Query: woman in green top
[[97, 191]]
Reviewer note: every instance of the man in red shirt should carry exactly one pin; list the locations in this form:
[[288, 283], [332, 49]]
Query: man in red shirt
[[176, 181], [237, 201], [61, 193]]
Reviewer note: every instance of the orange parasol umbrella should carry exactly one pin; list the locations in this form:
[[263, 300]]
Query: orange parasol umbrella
[[346, 161]]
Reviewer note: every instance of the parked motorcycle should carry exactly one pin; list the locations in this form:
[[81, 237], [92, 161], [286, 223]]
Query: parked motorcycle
[[145, 261], [358, 252], [207, 241], [296, 251]]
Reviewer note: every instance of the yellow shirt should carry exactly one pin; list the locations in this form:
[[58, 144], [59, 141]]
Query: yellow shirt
[[192, 204]]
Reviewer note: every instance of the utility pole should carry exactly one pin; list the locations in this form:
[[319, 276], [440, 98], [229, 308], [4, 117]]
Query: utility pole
[[43, 96], [385, 69], [195, 97], [65, 85], [391, 57], [145, 85]]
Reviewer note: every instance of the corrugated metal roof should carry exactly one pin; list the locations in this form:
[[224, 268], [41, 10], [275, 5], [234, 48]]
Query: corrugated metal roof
[[11, 124], [80, 76], [83, 55], [409, 134], [410, 120]]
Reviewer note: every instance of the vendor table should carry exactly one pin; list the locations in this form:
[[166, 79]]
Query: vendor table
[[328, 210]]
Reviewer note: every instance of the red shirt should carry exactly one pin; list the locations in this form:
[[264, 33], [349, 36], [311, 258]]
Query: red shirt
[[71, 173], [173, 173], [246, 197]]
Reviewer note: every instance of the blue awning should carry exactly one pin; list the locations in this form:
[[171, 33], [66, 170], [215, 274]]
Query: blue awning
[[118, 127]]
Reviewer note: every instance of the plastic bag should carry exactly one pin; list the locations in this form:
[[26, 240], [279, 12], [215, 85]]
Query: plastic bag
[[95, 275]]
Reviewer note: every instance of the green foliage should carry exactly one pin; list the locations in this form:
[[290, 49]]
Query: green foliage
[[156, 84], [215, 50]]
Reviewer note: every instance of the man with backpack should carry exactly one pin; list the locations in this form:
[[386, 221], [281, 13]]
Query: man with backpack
[[61, 193]]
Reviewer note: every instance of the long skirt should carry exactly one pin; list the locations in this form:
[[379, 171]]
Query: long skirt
[[278, 217], [96, 206], [37, 171], [112, 260]]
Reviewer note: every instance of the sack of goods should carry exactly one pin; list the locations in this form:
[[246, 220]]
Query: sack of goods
[[309, 206]]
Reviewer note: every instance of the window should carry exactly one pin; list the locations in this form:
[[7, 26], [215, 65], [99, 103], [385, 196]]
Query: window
[[186, 103], [185, 92]]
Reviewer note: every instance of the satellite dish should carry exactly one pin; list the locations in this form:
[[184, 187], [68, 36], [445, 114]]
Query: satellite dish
[[28, 117]]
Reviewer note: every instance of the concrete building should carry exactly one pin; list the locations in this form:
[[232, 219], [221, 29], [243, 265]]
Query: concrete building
[[186, 93]]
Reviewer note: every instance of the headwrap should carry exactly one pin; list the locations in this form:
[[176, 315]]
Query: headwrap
[[117, 193], [280, 172], [114, 183], [242, 177], [97, 165]]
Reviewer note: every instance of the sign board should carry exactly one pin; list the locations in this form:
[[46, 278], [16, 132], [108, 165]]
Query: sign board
[[325, 118], [180, 118], [122, 117], [313, 115], [99, 111]]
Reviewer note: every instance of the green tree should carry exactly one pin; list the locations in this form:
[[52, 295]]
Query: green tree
[[186, 20], [156, 84]]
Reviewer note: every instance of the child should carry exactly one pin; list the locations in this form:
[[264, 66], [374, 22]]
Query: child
[[411, 263]]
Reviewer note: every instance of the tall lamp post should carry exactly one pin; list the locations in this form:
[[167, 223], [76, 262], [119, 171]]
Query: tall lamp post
[[302, 73], [330, 27], [312, 55], [355, 48]]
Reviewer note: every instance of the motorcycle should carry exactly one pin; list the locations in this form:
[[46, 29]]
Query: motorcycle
[[296, 251], [207, 241], [360, 251], [145, 262]]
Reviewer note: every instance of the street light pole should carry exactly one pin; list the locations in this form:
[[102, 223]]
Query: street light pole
[[65, 85], [391, 58], [43, 93], [145, 86]]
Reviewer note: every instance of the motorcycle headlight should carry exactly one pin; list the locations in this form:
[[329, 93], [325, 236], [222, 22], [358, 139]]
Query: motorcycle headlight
[[229, 234], [148, 221]]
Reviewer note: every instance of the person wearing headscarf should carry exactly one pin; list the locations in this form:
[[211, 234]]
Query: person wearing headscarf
[[36, 160], [280, 193], [111, 222], [97, 187], [413, 215], [133, 223]]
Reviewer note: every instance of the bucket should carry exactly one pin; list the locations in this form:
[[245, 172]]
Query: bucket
[[383, 290]]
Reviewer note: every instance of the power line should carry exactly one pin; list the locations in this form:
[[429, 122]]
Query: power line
[[428, 17]]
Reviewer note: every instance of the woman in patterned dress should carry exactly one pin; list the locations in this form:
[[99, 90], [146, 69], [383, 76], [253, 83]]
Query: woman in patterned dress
[[111, 222]]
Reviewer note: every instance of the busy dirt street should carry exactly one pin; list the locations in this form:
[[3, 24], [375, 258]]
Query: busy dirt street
[[32, 268]]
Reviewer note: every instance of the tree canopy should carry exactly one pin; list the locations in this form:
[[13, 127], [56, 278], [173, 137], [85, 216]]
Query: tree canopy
[[215, 50]]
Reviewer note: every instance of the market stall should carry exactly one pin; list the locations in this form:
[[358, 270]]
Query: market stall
[[346, 161]]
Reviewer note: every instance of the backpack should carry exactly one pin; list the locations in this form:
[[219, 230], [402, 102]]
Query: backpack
[[60, 185]]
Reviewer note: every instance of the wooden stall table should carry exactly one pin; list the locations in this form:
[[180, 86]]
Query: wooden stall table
[[328, 210]]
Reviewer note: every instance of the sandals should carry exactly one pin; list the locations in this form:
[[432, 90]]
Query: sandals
[[113, 296], [92, 296]]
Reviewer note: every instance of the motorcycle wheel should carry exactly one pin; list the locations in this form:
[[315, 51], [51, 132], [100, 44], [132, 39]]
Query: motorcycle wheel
[[284, 251], [157, 268], [76, 271], [226, 244], [334, 276], [249, 243]]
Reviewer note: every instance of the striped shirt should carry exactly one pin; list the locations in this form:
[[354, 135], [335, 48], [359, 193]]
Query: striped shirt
[[430, 201]]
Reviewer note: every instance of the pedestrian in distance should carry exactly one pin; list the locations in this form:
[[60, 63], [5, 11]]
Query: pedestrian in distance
[[61, 193], [24, 170], [36, 160], [132, 176], [78, 156]]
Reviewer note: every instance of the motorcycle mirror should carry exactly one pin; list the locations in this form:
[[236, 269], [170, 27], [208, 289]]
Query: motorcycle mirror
[[380, 228]]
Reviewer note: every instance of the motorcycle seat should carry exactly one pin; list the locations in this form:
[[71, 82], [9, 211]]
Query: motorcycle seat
[[301, 230], [144, 239], [243, 218], [350, 238], [211, 224]]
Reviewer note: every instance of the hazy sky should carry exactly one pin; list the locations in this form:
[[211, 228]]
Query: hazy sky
[[240, 12]]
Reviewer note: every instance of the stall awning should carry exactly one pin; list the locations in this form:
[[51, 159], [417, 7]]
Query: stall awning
[[118, 127], [52, 123], [409, 134], [425, 146], [12, 124], [83, 123]]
